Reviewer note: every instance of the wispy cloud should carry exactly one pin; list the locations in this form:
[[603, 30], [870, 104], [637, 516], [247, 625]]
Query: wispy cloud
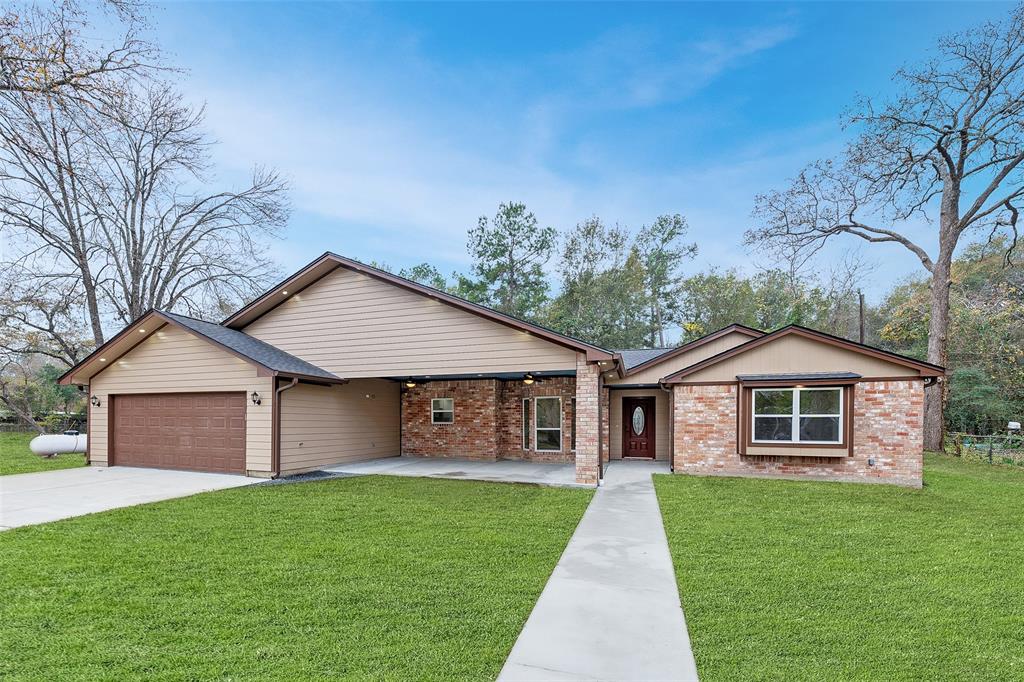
[[406, 173]]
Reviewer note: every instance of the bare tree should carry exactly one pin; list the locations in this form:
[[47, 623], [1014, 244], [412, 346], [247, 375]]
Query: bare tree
[[38, 319], [951, 143], [45, 49], [111, 198]]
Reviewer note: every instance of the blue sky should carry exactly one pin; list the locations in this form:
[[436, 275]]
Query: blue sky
[[399, 124]]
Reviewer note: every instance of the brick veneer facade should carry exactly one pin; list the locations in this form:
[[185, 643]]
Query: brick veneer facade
[[488, 419], [588, 421], [888, 427], [510, 416], [474, 432]]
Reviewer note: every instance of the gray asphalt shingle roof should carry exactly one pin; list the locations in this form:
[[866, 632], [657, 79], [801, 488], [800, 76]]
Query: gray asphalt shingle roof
[[632, 357], [259, 351]]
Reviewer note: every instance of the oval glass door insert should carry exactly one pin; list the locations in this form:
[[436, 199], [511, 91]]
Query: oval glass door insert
[[638, 420]]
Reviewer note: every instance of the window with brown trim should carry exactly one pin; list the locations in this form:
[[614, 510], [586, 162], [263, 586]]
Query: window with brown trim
[[809, 416]]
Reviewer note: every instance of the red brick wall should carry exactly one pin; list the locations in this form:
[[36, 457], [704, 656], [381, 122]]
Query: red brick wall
[[888, 428], [588, 427], [488, 419], [474, 433], [510, 413]]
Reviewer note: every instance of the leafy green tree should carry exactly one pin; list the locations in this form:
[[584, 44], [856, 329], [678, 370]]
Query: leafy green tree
[[662, 252], [603, 296], [986, 326], [977, 404], [509, 253], [425, 274], [715, 299]]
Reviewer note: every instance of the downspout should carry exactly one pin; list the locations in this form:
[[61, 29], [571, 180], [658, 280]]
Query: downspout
[[275, 425], [671, 427]]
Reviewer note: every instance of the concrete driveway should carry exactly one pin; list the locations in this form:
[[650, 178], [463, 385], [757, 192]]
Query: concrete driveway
[[26, 499]]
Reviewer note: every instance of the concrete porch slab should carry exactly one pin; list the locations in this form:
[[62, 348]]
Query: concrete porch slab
[[502, 471]]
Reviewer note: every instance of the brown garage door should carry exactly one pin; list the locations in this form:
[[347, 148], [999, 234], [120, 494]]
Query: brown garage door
[[193, 431]]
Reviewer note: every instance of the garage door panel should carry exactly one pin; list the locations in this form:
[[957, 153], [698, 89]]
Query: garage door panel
[[195, 432]]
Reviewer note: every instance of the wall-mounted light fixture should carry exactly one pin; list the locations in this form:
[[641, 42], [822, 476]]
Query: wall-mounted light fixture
[[528, 379], [409, 383], [94, 401], [255, 397]]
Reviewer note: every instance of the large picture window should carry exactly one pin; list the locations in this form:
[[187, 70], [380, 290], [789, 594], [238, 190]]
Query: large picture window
[[548, 430], [798, 415], [442, 410]]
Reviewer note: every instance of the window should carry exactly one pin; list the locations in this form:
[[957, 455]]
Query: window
[[548, 414], [572, 427], [526, 423], [442, 410], [798, 415]]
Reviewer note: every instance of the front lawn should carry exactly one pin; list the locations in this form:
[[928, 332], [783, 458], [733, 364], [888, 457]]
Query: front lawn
[[367, 578], [16, 458], [795, 581]]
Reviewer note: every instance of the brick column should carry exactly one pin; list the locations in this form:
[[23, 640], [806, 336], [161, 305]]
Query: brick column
[[588, 410]]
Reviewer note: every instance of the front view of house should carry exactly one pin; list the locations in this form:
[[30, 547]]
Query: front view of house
[[344, 362]]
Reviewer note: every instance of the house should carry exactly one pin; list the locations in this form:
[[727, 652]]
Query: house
[[344, 362]]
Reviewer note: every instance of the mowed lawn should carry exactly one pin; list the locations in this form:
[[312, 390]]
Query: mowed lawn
[[16, 458], [829, 581], [364, 578]]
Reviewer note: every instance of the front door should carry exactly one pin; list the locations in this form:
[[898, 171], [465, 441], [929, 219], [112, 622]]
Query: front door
[[638, 427]]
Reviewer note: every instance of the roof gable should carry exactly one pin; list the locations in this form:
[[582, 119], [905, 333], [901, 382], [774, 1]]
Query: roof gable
[[923, 369], [268, 360], [328, 262], [670, 353]]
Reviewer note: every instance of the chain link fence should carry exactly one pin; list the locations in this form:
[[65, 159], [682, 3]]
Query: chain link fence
[[1004, 448], [52, 422]]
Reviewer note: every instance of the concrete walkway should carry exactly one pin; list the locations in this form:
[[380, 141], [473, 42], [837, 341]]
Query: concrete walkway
[[502, 471], [26, 499], [610, 610]]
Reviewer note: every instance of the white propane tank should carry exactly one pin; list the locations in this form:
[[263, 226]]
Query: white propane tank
[[53, 444]]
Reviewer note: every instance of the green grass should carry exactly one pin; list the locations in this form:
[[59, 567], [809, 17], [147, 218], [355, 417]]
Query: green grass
[[831, 581], [362, 578], [16, 458]]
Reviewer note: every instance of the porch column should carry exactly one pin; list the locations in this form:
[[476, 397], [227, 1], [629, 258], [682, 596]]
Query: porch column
[[588, 420]]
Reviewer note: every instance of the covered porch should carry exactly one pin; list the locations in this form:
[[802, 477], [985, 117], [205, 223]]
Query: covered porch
[[501, 471]]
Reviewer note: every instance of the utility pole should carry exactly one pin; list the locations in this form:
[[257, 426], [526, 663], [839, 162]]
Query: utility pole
[[860, 296]]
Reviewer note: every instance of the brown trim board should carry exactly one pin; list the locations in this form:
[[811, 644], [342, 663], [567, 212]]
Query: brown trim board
[[744, 415]]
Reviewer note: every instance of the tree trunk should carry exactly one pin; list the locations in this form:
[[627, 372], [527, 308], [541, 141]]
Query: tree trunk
[[93, 306], [938, 330]]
